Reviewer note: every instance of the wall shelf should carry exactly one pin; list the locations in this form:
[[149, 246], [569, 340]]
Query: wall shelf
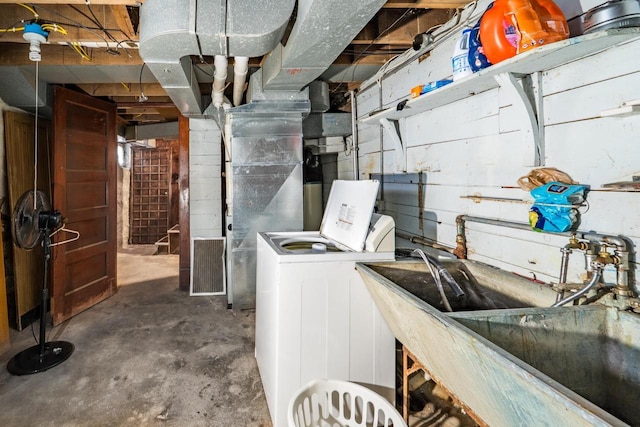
[[536, 60]]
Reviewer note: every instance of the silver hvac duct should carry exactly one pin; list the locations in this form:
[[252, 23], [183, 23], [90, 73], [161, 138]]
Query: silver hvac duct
[[171, 31], [322, 30]]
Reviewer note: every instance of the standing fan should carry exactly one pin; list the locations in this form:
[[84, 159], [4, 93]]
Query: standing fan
[[33, 223]]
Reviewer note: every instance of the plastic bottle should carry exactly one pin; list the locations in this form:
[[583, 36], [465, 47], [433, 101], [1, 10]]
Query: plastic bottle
[[498, 36], [460, 59], [524, 24], [537, 22], [554, 19], [477, 59]]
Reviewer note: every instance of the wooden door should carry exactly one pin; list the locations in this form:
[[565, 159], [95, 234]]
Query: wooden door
[[85, 191], [150, 185], [4, 312], [25, 285]]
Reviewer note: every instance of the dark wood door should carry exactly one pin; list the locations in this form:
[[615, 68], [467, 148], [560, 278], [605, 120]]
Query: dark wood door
[[150, 186], [84, 190]]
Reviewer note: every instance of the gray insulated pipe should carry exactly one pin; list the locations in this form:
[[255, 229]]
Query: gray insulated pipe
[[172, 31]]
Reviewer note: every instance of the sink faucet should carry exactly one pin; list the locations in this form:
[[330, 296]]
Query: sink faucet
[[574, 244], [595, 278], [596, 264]]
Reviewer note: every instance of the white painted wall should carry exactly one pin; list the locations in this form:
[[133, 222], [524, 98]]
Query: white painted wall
[[474, 147], [205, 182]]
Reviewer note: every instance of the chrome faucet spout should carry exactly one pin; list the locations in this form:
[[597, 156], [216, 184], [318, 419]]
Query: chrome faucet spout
[[593, 282]]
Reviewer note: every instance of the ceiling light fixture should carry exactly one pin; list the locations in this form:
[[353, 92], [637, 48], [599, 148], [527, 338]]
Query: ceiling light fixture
[[35, 35]]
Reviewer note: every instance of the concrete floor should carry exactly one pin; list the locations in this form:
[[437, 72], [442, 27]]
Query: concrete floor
[[150, 355]]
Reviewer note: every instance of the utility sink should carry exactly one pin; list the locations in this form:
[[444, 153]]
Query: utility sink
[[506, 355]]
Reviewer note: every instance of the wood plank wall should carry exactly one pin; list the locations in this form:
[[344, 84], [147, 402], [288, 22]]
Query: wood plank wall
[[19, 138], [474, 147]]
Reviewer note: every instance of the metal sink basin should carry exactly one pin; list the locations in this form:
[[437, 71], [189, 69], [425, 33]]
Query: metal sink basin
[[485, 287], [575, 366]]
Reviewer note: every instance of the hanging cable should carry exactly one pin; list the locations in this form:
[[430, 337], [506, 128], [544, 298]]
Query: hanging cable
[[35, 148], [78, 24], [30, 9], [382, 33], [142, 97], [436, 279]]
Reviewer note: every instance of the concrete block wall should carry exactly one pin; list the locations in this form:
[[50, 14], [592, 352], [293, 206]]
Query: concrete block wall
[[205, 182]]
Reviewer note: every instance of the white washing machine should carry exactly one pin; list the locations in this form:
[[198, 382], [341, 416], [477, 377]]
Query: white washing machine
[[314, 315]]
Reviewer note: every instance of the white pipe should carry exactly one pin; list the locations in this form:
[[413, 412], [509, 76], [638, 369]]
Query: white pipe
[[219, 79], [354, 135], [241, 67]]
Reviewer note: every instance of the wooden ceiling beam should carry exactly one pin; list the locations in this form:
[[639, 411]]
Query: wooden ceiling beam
[[117, 89], [18, 54], [119, 99], [124, 21], [78, 23], [147, 104]]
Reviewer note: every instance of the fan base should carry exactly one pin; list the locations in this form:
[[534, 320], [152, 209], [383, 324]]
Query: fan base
[[28, 361]]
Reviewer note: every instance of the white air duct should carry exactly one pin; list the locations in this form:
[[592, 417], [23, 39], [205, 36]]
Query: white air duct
[[219, 78], [241, 67]]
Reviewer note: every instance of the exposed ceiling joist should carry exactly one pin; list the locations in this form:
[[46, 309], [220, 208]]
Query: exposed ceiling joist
[[107, 29], [121, 15], [148, 104], [54, 54], [118, 89], [78, 22]]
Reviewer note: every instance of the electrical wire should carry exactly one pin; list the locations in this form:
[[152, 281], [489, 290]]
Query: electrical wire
[[30, 9], [439, 32], [54, 27], [354, 65], [11, 30], [78, 24], [95, 20], [80, 50], [142, 96]]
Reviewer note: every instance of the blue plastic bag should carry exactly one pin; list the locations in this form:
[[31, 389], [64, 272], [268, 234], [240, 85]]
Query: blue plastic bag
[[553, 209]]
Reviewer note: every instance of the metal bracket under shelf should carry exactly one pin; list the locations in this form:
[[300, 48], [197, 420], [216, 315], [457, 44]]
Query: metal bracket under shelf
[[394, 132], [532, 129]]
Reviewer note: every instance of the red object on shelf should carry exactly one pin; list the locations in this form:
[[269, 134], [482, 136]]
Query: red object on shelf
[[514, 26]]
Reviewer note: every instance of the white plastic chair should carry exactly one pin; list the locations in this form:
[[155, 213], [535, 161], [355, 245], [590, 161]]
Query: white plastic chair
[[334, 403]]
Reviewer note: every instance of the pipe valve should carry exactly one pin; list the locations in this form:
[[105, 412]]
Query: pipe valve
[[574, 243], [604, 257]]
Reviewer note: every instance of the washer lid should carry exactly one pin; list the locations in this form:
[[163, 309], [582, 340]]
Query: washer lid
[[348, 213]]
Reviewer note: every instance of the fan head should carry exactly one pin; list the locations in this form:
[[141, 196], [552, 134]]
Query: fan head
[[25, 222]]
